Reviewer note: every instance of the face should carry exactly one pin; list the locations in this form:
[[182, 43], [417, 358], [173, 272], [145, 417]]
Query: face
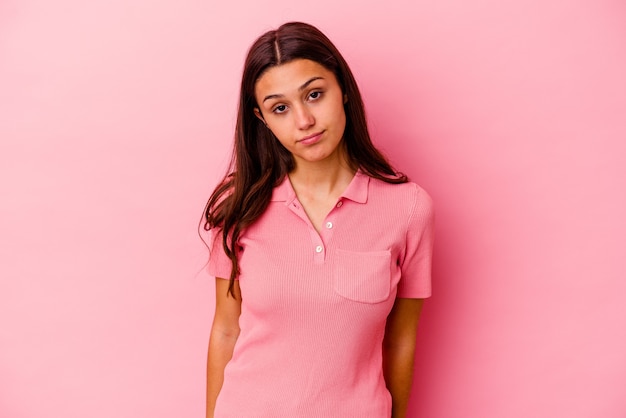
[[302, 103]]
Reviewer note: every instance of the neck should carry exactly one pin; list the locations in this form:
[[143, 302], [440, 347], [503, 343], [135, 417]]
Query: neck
[[321, 177]]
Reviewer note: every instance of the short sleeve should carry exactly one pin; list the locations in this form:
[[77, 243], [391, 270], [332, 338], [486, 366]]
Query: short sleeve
[[415, 281], [219, 263]]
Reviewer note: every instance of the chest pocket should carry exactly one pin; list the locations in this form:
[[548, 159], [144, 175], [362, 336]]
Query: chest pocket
[[362, 276]]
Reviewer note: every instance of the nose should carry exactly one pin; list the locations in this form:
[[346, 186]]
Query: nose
[[304, 117]]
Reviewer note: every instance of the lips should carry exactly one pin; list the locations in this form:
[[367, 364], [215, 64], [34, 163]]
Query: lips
[[311, 139]]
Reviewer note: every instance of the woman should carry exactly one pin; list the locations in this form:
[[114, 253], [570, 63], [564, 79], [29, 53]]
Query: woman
[[320, 249]]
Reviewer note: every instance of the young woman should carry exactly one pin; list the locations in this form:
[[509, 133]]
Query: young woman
[[320, 249]]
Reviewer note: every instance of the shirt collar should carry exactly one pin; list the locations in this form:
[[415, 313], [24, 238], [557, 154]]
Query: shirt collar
[[358, 187], [283, 192], [356, 190]]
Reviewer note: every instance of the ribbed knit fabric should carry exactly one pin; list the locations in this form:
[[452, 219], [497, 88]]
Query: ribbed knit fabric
[[314, 305]]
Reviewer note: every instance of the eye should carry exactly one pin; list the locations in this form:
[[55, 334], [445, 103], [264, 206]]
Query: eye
[[314, 95], [279, 109]]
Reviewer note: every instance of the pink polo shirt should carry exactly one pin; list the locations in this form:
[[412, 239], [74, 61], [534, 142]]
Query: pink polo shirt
[[314, 305]]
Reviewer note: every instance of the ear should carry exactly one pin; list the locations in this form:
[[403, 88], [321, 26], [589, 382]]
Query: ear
[[345, 98], [258, 114]]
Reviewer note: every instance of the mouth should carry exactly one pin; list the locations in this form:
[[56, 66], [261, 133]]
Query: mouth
[[310, 139]]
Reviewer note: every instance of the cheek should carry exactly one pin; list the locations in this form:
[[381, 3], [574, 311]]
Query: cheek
[[279, 131], [339, 110], [340, 117]]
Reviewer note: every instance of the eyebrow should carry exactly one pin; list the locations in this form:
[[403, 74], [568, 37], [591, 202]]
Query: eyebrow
[[302, 87]]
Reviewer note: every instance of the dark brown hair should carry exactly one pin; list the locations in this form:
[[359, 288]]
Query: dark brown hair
[[259, 162]]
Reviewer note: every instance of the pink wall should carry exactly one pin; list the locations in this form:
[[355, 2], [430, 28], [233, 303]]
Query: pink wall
[[115, 123]]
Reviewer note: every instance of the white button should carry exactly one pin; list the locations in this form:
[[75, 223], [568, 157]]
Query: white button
[[318, 249], [329, 225], [339, 204]]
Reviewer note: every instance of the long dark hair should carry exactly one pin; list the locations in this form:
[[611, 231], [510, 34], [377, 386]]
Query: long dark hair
[[259, 162]]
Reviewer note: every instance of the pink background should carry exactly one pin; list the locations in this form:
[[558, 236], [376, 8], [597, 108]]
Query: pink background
[[115, 123]]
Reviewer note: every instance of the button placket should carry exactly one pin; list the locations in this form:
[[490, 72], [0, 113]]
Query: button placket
[[316, 239], [319, 249], [323, 237], [329, 225]]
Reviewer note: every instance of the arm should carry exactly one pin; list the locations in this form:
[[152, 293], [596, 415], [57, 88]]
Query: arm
[[399, 352], [224, 333]]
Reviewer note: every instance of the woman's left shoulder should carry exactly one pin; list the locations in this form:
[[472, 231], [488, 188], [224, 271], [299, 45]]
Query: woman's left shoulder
[[407, 201], [410, 192]]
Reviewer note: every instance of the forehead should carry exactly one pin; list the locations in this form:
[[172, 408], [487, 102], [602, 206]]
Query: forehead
[[288, 77]]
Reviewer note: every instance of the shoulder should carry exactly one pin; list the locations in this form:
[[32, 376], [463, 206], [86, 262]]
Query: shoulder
[[408, 203], [409, 193]]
